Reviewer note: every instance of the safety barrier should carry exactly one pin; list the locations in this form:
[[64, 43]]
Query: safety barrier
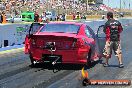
[[70, 17], [13, 34], [93, 17]]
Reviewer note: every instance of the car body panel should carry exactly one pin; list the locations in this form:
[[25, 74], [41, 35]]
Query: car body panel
[[70, 47], [101, 39]]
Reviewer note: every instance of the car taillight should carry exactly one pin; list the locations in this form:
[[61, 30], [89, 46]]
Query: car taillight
[[77, 43]]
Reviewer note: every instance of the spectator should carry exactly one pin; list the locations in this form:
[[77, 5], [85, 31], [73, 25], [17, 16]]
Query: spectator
[[74, 16], [83, 17], [60, 17], [43, 16], [103, 16], [23, 1], [1, 18], [57, 17], [16, 13], [63, 17], [36, 17]]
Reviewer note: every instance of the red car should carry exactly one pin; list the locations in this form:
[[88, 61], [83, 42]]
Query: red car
[[63, 42]]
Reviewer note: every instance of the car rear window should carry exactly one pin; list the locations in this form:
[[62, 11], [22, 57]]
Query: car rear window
[[64, 28]]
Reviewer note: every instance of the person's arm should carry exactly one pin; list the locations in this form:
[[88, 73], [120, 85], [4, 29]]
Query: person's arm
[[120, 28], [1, 18]]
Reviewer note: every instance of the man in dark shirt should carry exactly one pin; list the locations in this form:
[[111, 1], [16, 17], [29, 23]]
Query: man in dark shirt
[[36, 17], [112, 29]]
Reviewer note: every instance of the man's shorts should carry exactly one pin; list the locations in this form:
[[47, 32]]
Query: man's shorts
[[112, 45]]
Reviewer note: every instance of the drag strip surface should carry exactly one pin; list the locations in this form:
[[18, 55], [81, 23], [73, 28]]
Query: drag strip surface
[[15, 71]]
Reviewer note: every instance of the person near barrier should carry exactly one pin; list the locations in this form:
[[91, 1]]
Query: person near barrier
[[57, 18], [43, 17], [36, 17], [1, 18], [74, 17], [78, 15], [63, 17], [112, 29]]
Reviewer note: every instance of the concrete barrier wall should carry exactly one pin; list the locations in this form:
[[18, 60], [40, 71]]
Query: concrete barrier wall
[[14, 34], [70, 17], [10, 36]]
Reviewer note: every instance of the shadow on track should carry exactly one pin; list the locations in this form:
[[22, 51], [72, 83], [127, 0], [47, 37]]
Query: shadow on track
[[59, 67], [111, 65]]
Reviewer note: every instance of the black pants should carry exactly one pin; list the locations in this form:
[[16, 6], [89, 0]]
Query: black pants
[[1, 19], [36, 19]]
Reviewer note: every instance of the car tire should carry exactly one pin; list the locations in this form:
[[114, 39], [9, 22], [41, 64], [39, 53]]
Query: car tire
[[89, 63], [32, 61]]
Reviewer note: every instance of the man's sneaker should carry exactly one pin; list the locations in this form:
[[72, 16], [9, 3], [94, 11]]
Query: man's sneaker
[[121, 65], [105, 65]]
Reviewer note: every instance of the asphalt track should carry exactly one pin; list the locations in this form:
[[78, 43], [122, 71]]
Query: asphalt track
[[16, 72]]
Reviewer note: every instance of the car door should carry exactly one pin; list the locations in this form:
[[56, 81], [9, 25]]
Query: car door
[[91, 39], [101, 39], [89, 32]]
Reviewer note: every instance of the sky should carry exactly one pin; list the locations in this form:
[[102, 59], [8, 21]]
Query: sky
[[116, 3]]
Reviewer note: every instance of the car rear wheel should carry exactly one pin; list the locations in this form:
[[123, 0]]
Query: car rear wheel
[[33, 64], [89, 59]]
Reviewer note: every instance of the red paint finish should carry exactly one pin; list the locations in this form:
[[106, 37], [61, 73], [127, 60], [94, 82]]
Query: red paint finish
[[71, 47]]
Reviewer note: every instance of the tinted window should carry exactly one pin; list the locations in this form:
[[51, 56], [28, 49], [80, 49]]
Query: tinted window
[[89, 32], [34, 28], [66, 28]]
